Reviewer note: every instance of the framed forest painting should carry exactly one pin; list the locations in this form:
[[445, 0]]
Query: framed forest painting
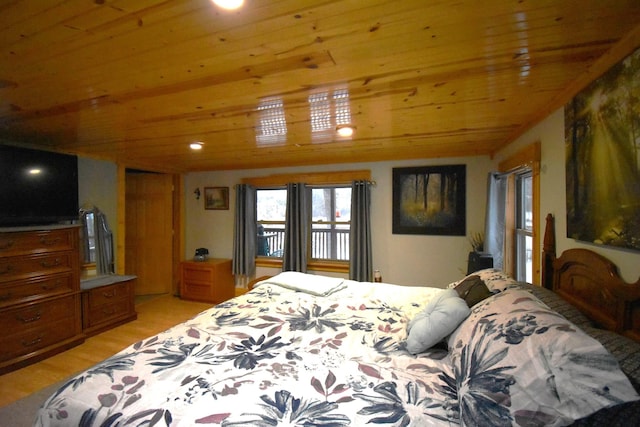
[[429, 200], [602, 143]]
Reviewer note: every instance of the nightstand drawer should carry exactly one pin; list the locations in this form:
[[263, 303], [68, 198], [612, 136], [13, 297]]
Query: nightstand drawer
[[197, 274]]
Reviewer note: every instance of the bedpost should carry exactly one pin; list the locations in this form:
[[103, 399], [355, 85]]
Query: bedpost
[[548, 252]]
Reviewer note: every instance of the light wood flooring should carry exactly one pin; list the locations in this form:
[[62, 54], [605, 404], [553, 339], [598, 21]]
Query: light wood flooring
[[154, 315]]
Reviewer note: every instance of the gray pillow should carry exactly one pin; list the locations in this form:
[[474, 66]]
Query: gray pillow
[[436, 321]]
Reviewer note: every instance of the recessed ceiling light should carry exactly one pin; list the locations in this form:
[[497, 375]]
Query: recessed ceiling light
[[228, 4], [345, 131], [196, 145]]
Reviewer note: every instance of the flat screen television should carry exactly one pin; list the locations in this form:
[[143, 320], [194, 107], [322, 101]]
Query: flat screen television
[[37, 187]]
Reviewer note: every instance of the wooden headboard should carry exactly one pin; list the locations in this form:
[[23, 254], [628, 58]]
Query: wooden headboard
[[591, 283]]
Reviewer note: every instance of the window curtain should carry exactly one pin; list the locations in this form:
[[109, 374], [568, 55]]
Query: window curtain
[[296, 226], [245, 233], [494, 228], [360, 259]]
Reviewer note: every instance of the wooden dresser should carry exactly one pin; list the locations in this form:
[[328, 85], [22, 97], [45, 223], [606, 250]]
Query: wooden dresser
[[39, 294], [209, 281], [107, 302]]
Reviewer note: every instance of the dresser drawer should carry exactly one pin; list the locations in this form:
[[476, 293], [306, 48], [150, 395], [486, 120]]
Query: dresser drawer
[[38, 314], [116, 293], [22, 291], [14, 268], [105, 313], [33, 339], [23, 243]]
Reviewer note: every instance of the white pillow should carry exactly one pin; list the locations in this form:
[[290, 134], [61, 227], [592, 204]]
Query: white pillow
[[440, 318]]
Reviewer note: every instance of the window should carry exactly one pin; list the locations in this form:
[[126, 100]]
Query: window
[[524, 227], [330, 222], [522, 213], [271, 206]]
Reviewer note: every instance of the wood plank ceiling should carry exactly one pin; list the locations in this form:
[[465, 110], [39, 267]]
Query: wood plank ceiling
[[136, 81]]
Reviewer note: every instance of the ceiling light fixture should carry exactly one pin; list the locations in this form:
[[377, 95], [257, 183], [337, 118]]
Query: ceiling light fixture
[[228, 4], [345, 131], [196, 145]]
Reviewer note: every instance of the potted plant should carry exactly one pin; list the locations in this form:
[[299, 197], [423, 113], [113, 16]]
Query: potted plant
[[477, 241]]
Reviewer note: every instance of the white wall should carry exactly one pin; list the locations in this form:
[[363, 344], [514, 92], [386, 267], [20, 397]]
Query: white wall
[[402, 259], [550, 133]]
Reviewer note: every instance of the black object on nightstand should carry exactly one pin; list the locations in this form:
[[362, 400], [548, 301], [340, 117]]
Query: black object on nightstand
[[479, 261]]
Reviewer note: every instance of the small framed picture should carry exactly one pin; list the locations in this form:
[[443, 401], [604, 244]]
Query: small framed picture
[[216, 198]]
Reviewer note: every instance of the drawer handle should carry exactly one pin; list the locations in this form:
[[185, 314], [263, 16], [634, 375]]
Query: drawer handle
[[33, 342], [6, 269], [108, 311], [6, 297], [109, 294], [6, 244], [49, 242], [35, 318], [49, 264]]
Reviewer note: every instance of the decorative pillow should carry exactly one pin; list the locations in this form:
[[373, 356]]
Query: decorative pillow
[[515, 361], [473, 290], [495, 280], [440, 317]]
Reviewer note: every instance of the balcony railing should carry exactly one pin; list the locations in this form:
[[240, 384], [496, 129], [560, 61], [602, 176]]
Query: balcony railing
[[325, 243]]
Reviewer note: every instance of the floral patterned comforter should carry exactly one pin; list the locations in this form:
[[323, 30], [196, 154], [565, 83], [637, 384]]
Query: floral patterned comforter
[[277, 356], [269, 357]]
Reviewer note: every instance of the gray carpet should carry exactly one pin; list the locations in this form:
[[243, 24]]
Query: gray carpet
[[21, 413]]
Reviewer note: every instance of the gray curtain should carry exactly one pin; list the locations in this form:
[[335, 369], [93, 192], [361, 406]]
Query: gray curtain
[[494, 228], [296, 229], [245, 232], [360, 259]]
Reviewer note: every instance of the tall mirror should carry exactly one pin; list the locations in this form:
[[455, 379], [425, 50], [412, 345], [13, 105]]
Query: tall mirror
[[97, 240]]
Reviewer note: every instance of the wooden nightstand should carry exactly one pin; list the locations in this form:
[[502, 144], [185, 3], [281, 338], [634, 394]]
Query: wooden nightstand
[[208, 281]]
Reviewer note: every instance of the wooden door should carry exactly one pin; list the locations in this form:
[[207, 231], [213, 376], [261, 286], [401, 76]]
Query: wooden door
[[149, 241]]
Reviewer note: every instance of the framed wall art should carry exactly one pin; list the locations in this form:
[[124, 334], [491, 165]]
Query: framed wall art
[[602, 145], [430, 200], [216, 198]]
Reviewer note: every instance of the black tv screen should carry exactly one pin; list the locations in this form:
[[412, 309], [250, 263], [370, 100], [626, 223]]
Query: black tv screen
[[37, 187]]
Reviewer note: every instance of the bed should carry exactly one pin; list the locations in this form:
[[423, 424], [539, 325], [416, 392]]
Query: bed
[[309, 350]]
